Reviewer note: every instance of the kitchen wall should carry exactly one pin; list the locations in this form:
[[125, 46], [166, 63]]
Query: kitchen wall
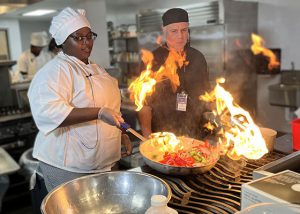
[[14, 36], [278, 24]]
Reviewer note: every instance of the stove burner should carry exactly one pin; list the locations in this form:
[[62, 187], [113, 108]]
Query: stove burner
[[11, 110], [216, 191]]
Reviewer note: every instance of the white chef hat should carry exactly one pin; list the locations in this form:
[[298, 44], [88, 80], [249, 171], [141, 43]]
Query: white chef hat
[[39, 39], [67, 22]]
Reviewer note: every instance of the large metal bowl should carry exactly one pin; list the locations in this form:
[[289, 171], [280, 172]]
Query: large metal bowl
[[148, 151], [109, 192]]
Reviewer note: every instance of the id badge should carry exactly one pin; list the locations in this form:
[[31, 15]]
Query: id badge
[[181, 101]]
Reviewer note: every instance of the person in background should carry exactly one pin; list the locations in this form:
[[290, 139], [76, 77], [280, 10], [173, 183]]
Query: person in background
[[75, 104], [179, 112], [31, 60], [53, 48]]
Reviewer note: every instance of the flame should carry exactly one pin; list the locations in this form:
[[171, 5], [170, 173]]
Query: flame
[[166, 142], [238, 135], [143, 86], [258, 47]]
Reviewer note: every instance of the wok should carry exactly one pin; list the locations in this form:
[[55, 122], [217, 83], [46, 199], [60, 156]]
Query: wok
[[152, 154]]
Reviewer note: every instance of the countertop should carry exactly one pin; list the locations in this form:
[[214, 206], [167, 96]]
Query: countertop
[[7, 62]]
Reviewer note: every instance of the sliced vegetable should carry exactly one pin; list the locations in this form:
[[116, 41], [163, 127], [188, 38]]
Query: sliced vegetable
[[198, 154]]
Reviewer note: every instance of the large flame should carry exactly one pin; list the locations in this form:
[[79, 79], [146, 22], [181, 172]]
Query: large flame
[[143, 86], [258, 48], [238, 134]]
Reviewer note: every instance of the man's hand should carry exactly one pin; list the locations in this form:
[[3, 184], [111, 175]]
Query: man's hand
[[125, 141], [110, 117]]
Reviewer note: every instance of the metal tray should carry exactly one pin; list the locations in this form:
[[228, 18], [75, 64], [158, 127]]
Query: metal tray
[[7, 163]]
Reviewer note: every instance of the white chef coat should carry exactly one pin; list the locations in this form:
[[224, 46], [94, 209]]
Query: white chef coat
[[29, 63], [55, 90]]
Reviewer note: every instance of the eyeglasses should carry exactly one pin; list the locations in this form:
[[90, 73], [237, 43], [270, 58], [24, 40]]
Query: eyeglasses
[[81, 39]]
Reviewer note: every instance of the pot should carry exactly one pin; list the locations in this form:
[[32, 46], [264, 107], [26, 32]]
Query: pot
[[152, 154]]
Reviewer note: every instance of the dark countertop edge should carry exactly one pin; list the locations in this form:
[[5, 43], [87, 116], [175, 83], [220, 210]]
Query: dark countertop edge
[[15, 117], [7, 62]]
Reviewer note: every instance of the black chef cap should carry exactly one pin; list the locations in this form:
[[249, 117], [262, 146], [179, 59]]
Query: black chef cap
[[175, 15]]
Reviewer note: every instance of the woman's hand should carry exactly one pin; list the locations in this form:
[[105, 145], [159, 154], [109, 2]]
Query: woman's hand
[[110, 117], [125, 141]]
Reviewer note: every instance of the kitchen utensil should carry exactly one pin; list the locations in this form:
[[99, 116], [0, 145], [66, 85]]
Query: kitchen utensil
[[109, 192], [269, 136], [152, 155], [135, 133]]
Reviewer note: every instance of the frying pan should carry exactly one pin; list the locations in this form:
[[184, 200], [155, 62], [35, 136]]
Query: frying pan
[[152, 154]]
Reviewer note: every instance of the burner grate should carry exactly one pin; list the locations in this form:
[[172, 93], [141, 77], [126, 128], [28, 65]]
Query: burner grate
[[216, 191]]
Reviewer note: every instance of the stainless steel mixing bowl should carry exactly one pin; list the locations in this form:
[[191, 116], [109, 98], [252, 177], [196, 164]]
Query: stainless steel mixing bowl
[[109, 192]]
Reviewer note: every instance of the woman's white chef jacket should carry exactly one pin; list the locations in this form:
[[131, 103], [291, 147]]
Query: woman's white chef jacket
[[62, 84], [29, 63]]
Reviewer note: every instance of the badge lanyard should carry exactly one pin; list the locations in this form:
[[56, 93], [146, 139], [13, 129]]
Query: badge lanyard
[[182, 96]]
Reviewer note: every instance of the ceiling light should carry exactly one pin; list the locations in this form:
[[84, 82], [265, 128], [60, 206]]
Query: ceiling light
[[5, 8], [40, 12]]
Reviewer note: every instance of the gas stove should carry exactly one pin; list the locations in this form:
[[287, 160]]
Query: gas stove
[[216, 191], [17, 134]]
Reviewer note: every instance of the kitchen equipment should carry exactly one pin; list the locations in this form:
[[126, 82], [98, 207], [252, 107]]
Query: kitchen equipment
[[7, 164], [296, 134], [289, 162], [271, 208], [135, 133], [216, 191], [263, 61], [152, 155], [282, 187], [269, 136], [109, 192]]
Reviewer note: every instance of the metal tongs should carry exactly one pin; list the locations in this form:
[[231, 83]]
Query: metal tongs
[[127, 128]]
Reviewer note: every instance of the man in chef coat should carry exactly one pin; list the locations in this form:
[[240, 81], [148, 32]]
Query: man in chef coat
[[31, 60]]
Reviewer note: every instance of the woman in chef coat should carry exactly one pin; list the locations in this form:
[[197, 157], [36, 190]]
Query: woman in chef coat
[[76, 107]]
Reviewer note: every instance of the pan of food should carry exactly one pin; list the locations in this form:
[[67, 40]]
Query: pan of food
[[173, 155]]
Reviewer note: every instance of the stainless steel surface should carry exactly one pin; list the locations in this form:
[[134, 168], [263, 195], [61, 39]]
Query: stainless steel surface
[[110, 192], [136, 134], [289, 162], [199, 14], [172, 170], [287, 93], [7, 163], [290, 77], [284, 95]]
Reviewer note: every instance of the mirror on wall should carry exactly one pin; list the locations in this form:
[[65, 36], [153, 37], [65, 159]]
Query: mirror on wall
[[4, 50]]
